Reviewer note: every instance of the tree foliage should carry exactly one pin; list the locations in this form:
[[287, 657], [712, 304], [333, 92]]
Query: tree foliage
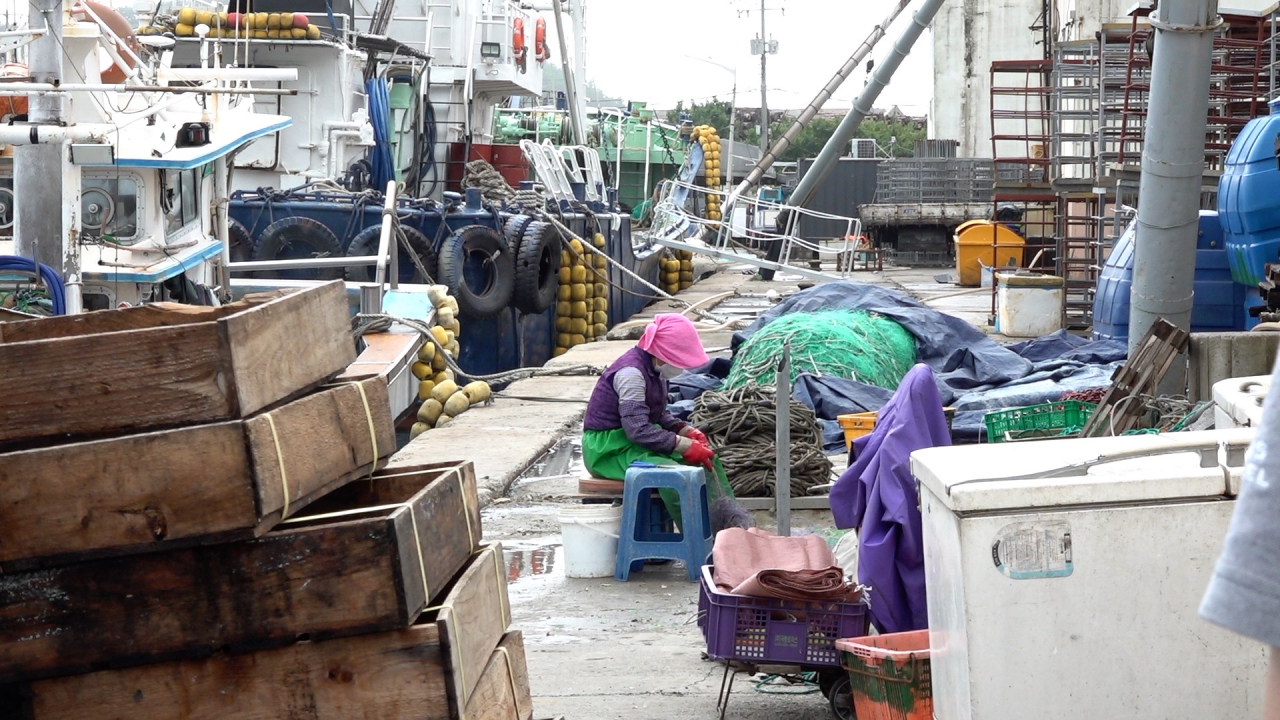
[[714, 113], [896, 136]]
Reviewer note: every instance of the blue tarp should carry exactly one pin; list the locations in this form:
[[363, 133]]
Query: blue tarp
[[974, 373]]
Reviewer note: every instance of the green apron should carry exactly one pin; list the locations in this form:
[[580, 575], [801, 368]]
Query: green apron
[[608, 453]]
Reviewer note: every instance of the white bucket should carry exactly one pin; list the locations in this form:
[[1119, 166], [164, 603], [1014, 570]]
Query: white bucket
[[590, 535]]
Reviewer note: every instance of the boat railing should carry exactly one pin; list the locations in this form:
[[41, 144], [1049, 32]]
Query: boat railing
[[386, 261], [677, 225]]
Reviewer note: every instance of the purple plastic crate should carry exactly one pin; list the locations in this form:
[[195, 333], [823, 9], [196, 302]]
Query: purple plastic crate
[[769, 630]]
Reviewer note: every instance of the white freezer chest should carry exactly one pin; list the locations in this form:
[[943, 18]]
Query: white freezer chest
[[1076, 596], [1237, 402]]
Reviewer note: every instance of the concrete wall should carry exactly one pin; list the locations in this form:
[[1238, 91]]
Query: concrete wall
[[1082, 19], [969, 34]]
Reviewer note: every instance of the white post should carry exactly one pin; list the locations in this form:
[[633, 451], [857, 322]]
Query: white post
[[222, 226]]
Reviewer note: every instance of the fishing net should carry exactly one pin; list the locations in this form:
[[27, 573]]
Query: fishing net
[[854, 345]]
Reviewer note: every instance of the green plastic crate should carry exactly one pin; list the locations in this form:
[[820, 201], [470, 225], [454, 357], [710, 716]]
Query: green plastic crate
[[1037, 421]]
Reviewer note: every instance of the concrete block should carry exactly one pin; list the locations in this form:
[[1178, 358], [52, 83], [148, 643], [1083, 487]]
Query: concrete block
[[1213, 357]]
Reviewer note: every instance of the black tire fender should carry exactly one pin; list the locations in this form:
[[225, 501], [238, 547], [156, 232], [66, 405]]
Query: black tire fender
[[514, 229], [365, 243], [537, 269], [297, 238], [238, 238], [475, 264]]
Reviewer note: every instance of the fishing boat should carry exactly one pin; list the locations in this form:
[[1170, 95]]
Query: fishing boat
[[139, 146]]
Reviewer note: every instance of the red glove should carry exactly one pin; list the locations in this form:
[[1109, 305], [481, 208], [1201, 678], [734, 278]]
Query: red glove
[[695, 435], [699, 454]]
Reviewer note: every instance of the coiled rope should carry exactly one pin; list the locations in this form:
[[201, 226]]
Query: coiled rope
[[480, 174], [742, 425], [364, 323]]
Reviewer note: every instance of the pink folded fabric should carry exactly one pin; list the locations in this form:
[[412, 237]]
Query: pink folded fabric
[[739, 554], [827, 585]]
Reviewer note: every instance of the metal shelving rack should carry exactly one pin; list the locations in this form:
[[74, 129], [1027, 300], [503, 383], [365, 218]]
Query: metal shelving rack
[[1081, 230], [1022, 95]]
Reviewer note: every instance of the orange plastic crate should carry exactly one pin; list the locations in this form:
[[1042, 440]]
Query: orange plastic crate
[[889, 675]]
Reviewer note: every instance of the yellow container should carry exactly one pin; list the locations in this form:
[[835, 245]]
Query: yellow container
[[858, 424], [855, 426], [983, 242]]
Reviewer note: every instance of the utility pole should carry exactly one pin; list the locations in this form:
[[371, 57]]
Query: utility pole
[[764, 47], [37, 168], [764, 103]]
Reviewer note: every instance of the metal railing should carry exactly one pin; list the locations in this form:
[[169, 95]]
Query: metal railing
[[676, 225], [386, 262]]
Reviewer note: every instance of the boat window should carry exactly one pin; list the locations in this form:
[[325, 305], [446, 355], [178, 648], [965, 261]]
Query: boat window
[[181, 199], [109, 208]]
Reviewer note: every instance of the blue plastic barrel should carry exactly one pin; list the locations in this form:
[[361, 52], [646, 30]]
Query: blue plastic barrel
[[1219, 302], [1249, 199]]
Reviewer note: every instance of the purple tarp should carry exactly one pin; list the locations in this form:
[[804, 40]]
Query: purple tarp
[[877, 495]]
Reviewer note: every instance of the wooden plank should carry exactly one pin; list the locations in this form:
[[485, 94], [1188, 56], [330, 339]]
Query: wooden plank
[[473, 618], [340, 430], [211, 482], [142, 317], [320, 575], [170, 372], [503, 691], [283, 345], [1118, 411], [448, 519], [384, 676]]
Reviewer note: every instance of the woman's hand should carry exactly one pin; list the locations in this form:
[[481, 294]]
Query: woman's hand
[[699, 454], [694, 434]]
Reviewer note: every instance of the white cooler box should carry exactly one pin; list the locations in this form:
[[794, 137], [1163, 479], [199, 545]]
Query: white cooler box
[[1237, 402], [1074, 595]]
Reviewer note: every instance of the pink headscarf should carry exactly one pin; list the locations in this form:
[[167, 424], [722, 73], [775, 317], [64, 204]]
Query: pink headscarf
[[672, 339]]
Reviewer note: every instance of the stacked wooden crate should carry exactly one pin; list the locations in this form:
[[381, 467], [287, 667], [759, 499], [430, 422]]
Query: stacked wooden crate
[[193, 525]]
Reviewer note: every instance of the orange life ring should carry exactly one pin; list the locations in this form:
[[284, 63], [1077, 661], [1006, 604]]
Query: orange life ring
[[113, 73], [13, 104], [540, 50], [517, 38], [517, 42]]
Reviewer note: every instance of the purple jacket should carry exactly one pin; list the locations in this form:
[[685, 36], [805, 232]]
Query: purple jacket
[[647, 424]]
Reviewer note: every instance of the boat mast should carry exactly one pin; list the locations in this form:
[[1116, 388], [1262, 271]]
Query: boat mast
[[831, 152], [577, 116], [811, 111]]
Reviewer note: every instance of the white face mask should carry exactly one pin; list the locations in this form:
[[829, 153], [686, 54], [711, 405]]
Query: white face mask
[[669, 371]]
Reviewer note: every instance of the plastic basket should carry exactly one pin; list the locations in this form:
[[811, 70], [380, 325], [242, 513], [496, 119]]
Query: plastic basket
[[889, 675], [769, 630], [1037, 421], [855, 425]]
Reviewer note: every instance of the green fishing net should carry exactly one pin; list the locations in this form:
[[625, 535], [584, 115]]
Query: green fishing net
[[853, 345]]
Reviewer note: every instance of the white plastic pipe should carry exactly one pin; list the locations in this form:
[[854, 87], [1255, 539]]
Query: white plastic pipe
[[228, 74]]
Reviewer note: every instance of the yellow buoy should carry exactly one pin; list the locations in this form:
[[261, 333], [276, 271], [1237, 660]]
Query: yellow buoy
[[430, 411]]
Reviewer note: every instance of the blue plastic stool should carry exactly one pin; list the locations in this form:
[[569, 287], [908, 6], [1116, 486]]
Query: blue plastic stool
[[642, 539]]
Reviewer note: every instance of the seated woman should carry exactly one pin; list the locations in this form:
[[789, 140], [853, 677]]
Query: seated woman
[[627, 419]]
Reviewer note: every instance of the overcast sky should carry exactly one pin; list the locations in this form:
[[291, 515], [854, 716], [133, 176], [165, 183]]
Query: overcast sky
[[635, 50]]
